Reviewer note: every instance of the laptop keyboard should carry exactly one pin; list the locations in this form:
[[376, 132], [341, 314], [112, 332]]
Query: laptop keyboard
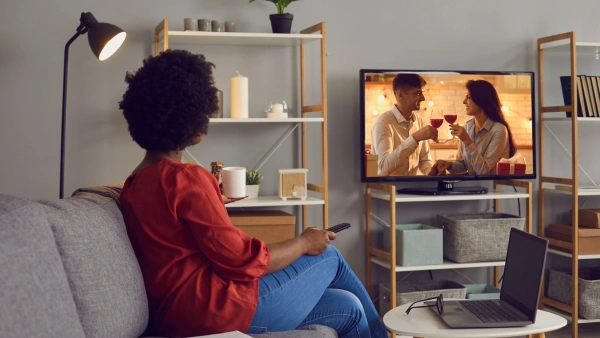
[[490, 311]]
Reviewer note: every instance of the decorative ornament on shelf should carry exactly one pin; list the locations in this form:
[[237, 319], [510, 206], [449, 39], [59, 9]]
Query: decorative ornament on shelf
[[282, 21], [277, 108], [253, 179], [239, 96], [293, 183]]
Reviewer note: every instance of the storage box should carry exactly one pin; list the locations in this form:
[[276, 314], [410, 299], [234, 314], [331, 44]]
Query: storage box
[[416, 244], [412, 291], [271, 226], [560, 237], [589, 218], [507, 168], [293, 183], [560, 288], [482, 291], [477, 237]]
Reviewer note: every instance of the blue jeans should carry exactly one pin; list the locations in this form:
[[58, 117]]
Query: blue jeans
[[316, 290]]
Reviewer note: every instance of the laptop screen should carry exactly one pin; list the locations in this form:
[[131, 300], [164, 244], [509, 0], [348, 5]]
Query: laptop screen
[[525, 262]]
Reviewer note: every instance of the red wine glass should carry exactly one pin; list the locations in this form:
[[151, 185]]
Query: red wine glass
[[450, 116], [437, 118]]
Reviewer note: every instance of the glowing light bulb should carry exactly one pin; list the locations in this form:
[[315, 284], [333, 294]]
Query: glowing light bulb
[[442, 82], [381, 97], [504, 108], [374, 112], [430, 103]]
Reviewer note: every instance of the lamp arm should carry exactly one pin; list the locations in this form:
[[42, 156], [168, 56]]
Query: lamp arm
[[64, 111]]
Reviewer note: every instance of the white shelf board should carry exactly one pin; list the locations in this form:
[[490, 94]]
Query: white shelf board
[[446, 265], [582, 192], [567, 316], [239, 38], [266, 120], [568, 119], [567, 254], [491, 195], [564, 46], [273, 201]]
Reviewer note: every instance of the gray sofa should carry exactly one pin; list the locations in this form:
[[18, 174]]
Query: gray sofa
[[67, 269]]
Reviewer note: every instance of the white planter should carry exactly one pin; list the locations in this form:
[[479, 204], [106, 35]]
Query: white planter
[[252, 191]]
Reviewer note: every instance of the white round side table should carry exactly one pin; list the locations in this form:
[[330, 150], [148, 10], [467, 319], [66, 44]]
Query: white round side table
[[423, 322]]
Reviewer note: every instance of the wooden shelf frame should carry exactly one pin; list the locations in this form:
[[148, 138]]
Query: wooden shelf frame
[[565, 42], [387, 259], [308, 35]]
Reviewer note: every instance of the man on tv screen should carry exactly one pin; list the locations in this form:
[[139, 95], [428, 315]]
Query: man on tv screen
[[398, 134]]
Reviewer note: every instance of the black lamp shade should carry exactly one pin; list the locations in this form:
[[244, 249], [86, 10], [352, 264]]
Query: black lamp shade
[[105, 39]]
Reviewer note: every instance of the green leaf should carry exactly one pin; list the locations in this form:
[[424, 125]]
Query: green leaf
[[280, 4], [253, 177]]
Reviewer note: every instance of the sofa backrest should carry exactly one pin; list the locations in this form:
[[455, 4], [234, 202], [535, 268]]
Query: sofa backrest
[[103, 272], [35, 298]]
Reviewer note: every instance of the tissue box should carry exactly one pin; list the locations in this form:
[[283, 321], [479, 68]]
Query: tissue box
[[507, 168]]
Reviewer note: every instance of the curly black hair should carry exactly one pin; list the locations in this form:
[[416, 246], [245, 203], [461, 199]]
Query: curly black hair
[[169, 100]]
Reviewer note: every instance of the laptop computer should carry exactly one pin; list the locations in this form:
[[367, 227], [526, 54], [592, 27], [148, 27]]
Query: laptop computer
[[520, 293]]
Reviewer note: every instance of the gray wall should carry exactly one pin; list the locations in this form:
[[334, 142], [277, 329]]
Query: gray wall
[[427, 34]]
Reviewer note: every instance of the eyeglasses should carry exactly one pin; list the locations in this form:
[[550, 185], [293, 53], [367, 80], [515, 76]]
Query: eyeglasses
[[439, 304]]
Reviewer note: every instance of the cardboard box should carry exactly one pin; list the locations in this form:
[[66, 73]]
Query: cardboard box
[[589, 218], [271, 226], [560, 238], [510, 168]]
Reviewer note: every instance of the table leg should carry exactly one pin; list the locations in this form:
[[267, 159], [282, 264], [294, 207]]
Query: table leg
[[539, 335]]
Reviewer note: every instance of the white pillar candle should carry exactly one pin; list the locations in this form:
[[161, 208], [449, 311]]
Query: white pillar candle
[[239, 96], [277, 108], [234, 181]]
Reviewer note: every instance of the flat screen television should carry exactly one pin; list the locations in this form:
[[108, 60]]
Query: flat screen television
[[496, 114]]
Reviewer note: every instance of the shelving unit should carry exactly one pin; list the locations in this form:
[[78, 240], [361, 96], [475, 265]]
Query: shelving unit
[[387, 259], [568, 44], [165, 37]]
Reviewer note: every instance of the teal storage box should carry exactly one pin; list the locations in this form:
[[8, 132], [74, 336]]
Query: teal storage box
[[416, 244], [482, 291]]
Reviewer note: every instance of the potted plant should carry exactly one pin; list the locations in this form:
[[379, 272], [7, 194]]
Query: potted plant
[[253, 179], [282, 21]]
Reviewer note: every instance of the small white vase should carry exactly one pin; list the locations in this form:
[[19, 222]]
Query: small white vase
[[252, 191]]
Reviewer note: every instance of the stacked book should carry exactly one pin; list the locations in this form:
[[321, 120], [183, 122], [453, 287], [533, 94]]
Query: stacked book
[[588, 94]]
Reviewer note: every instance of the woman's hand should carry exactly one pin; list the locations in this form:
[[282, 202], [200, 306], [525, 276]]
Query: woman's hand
[[461, 133], [231, 200], [441, 166], [316, 240]]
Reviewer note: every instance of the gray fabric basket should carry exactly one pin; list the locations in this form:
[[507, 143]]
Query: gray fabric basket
[[408, 292], [477, 237], [560, 286]]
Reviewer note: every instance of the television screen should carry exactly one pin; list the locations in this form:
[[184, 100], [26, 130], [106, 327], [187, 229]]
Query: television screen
[[446, 125]]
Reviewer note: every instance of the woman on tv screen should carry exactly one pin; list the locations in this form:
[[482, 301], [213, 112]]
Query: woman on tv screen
[[485, 139]]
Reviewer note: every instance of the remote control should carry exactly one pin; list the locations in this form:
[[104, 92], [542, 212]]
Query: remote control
[[339, 227]]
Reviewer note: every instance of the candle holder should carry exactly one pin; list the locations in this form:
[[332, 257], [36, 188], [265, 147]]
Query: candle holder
[[276, 108]]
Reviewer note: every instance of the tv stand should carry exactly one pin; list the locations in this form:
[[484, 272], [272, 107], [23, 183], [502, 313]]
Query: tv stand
[[444, 188]]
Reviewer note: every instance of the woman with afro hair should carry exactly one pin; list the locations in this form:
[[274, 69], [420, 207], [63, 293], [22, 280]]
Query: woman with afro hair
[[203, 275]]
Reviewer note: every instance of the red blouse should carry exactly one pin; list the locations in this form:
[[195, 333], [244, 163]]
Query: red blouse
[[200, 272]]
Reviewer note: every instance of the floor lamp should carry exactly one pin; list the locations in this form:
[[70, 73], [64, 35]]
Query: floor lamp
[[104, 40]]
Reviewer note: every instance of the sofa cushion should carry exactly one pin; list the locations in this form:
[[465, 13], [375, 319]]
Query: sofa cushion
[[311, 331], [102, 269], [35, 298]]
